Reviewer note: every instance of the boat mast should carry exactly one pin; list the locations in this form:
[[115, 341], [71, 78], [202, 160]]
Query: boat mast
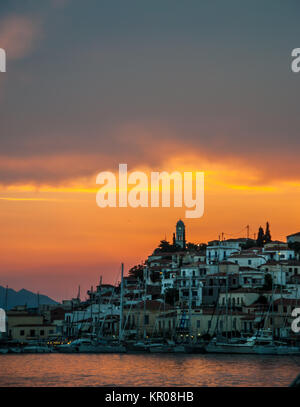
[[145, 300], [190, 308], [121, 304], [99, 305], [273, 308]]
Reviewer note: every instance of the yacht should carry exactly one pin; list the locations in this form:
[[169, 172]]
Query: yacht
[[85, 345], [261, 343]]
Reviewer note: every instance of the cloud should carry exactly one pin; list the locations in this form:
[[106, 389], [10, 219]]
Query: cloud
[[155, 147], [18, 35]]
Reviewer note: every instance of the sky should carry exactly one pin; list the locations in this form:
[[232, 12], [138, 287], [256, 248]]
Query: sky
[[170, 85]]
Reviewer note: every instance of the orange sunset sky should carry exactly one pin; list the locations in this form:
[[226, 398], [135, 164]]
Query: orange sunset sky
[[87, 88]]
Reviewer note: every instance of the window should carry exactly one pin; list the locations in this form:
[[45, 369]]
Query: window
[[42, 332], [32, 332], [22, 332], [146, 320], [198, 323], [249, 262]]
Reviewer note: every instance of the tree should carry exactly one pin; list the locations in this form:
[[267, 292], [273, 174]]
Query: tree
[[267, 235], [268, 282], [166, 247], [191, 246], [260, 237], [262, 300], [137, 271], [295, 246], [171, 296], [197, 247], [250, 243]]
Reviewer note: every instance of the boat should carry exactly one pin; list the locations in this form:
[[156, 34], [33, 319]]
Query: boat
[[194, 348], [164, 347], [261, 343], [3, 351], [138, 347], [37, 349]]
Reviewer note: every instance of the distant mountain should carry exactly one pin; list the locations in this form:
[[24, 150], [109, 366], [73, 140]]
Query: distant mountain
[[22, 297]]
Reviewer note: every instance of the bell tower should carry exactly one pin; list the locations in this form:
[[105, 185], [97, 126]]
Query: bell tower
[[180, 234]]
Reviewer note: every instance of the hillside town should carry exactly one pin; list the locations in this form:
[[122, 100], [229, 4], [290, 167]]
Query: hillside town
[[184, 293]]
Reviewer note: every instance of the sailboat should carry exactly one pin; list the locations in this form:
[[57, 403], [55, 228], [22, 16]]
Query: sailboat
[[97, 344]]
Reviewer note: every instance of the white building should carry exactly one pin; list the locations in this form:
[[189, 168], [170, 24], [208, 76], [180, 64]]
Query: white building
[[248, 259], [190, 285], [278, 252], [218, 251]]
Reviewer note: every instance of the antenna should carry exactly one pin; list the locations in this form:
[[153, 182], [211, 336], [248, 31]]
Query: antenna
[[78, 295]]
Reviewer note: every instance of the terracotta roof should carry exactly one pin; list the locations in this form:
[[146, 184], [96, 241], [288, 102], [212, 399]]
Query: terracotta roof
[[276, 248], [245, 255], [153, 305], [294, 234], [247, 268], [33, 325], [287, 301]]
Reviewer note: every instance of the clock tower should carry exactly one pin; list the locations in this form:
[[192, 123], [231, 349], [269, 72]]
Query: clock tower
[[180, 234]]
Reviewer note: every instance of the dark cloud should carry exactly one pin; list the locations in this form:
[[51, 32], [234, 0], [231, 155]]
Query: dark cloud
[[139, 84]]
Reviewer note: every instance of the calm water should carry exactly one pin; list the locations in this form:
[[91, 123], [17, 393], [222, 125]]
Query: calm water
[[147, 370]]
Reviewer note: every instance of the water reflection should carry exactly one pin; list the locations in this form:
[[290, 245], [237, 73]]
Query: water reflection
[[147, 370]]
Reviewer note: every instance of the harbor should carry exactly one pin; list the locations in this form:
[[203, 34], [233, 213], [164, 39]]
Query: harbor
[[184, 299]]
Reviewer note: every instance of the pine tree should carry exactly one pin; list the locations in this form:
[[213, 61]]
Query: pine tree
[[267, 236], [260, 237]]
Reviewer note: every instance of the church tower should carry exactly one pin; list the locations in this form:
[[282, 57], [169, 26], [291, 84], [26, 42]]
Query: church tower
[[180, 234]]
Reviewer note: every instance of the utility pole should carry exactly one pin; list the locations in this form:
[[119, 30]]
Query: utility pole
[[248, 230]]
